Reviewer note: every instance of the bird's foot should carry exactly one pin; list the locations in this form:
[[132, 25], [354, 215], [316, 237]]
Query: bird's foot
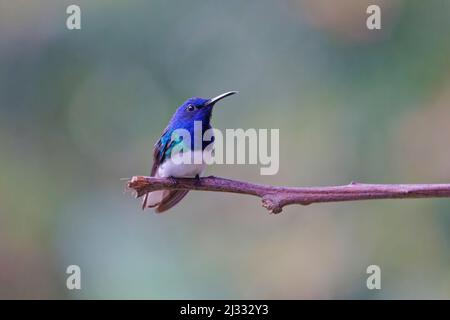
[[173, 180]]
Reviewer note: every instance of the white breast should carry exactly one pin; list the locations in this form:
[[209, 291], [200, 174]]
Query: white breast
[[170, 169]]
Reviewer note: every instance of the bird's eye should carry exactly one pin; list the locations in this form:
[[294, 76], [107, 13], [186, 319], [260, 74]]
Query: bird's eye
[[190, 108]]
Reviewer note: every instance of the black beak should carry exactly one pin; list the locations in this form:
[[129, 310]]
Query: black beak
[[212, 101]]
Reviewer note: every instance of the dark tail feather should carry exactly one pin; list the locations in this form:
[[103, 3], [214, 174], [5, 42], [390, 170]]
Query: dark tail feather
[[170, 200], [144, 202]]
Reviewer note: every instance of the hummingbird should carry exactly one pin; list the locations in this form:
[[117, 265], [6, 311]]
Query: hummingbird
[[192, 111]]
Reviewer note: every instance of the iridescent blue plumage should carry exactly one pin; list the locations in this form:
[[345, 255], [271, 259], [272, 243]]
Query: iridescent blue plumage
[[194, 110]]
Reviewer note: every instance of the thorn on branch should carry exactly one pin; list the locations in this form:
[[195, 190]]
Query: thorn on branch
[[271, 203]]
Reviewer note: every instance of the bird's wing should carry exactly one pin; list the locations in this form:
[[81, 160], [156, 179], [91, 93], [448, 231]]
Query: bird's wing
[[163, 199], [159, 154], [162, 149]]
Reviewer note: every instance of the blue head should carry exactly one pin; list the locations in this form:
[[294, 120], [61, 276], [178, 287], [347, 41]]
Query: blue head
[[195, 109]]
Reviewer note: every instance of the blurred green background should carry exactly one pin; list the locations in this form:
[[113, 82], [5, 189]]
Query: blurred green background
[[81, 109]]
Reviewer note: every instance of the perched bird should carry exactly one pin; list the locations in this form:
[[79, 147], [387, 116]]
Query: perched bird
[[193, 110]]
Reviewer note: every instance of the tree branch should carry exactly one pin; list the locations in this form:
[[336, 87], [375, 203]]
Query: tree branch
[[274, 198]]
